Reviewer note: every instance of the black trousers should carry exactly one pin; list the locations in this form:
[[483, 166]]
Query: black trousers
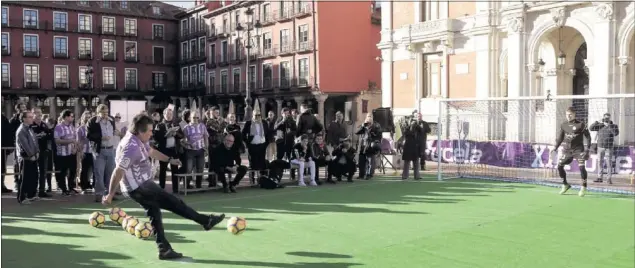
[[86, 178], [153, 198], [240, 174], [321, 162], [284, 148], [27, 186], [163, 170], [338, 170], [258, 156], [43, 166], [67, 166], [4, 166]]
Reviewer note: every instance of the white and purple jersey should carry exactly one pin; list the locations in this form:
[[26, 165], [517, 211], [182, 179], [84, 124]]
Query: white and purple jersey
[[83, 139], [196, 135], [65, 132], [133, 156]]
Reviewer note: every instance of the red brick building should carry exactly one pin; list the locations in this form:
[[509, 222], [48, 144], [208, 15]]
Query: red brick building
[[75, 54]]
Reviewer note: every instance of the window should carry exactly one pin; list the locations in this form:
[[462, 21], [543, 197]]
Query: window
[[267, 73], [284, 40], [60, 46], [193, 75], [131, 78], [6, 75], [6, 44], [106, 4], [284, 74], [303, 72], [184, 27], [201, 47], [201, 73], [85, 48], [252, 76], [108, 50], [130, 27], [108, 25], [192, 25], [266, 10], [223, 80], [5, 16], [184, 50], [124, 4], [60, 21], [159, 80], [303, 35], [30, 18], [225, 25], [266, 43], [237, 49], [131, 50], [31, 75], [109, 77], [85, 23], [158, 55], [212, 53], [236, 19], [157, 31], [236, 79], [156, 10], [223, 51], [61, 76], [212, 82], [192, 50], [184, 78], [31, 47], [83, 80]]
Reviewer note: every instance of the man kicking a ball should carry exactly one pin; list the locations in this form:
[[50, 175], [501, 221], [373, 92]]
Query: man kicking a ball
[[576, 141], [134, 172]]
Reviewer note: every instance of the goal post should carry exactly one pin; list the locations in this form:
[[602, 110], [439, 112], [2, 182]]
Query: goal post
[[512, 138]]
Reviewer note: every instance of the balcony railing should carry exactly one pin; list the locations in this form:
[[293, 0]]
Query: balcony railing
[[222, 60], [109, 57], [130, 59], [303, 10], [6, 51], [305, 46], [285, 14], [267, 83], [60, 54], [31, 84], [63, 85], [82, 55], [31, 52], [131, 87], [287, 48], [109, 87], [237, 88], [268, 18], [6, 84], [269, 52]]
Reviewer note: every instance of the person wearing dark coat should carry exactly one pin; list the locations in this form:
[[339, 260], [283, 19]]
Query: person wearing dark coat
[[15, 123], [425, 128], [308, 123], [7, 141], [414, 145]]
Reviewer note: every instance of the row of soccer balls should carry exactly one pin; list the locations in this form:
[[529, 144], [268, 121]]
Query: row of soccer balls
[[143, 230]]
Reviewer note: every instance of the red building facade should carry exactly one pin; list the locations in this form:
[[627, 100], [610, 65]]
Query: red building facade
[[75, 54]]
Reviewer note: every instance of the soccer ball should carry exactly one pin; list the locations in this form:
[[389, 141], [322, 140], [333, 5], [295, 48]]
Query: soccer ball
[[131, 224], [143, 230], [117, 215], [97, 219], [236, 225]]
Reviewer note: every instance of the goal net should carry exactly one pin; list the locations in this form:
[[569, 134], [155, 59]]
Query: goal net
[[512, 139]]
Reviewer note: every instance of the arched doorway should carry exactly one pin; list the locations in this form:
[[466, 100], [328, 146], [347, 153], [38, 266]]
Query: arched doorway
[[581, 83]]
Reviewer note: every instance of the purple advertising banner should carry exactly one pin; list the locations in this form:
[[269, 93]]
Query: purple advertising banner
[[519, 155]]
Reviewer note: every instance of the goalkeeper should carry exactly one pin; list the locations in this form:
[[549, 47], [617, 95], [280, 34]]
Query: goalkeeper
[[576, 141]]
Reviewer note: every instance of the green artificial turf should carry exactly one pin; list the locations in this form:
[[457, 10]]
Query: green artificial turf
[[382, 223]]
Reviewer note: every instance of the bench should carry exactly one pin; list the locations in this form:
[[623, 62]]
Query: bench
[[184, 177]]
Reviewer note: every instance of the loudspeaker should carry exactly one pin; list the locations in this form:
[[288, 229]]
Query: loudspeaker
[[350, 111], [383, 116]]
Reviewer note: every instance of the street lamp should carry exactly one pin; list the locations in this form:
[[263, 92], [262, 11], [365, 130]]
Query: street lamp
[[250, 26], [89, 75]]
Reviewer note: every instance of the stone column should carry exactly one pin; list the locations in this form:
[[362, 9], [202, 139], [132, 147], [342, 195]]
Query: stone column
[[102, 99], [149, 103], [601, 63], [321, 98], [623, 63], [516, 129], [624, 119], [52, 107], [298, 100], [8, 107], [221, 110], [279, 111], [183, 102], [386, 75], [190, 101], [78, 108], [263, 107], [174, 99], [32, 102]]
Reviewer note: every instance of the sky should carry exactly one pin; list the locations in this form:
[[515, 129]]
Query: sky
[[185, 4]]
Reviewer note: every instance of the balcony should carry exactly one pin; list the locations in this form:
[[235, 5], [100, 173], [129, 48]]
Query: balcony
[[223, 32], [84, 86], [60, 54], [149, 60], [222, 88], [31, 52], [253, 54], [426, 31], [302, 81], [222, 60], [211, 64], [109, 57], [212, 34], [6, 84], [303, 10], [106, 30], [236, 88], [109, 87], [267, 83], [60, 27], [31, 84], [131, 87], [34, 24], [6, 51], [306, 46], [160, 87], [84, 55], [131, 59], [61, 85], [285, 14], [268, 19], [269, 52], [284, 82], [237, 59], [286, 49], [128, 32]]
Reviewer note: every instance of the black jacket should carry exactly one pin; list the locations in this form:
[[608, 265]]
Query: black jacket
[[301, 154], [8, 135], [283, 125], [94, 132], [159, 136], [224, 157], [349, 155], [15, 124], [247, 131], [335, 133], [234, 129], [306, 122], [46, 142], [606, 133]]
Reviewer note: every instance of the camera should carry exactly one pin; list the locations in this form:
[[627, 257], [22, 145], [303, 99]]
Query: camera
[[606, 120]]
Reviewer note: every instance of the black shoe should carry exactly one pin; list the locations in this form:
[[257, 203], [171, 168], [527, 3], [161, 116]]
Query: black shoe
[[169, 254], [6, 190], [43, 195], [49, 190], [330, 181], [232, 188], [213, 220], [225, 189], [350, 180], [66, 193]]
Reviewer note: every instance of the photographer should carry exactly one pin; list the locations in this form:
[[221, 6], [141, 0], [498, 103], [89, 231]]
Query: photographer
[[606, 133]]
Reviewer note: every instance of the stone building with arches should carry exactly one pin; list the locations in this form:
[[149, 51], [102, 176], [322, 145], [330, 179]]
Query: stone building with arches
[[442, 50]]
